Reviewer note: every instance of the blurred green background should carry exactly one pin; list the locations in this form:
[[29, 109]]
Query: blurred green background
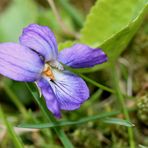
[[120, 28]]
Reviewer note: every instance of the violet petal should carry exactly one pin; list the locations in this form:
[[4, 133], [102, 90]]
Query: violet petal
[[81, 56], [19, 63], [71, 91], [41, 39], [50, 98]]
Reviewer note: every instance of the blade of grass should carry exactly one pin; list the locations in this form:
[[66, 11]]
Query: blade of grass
[[66, 123], [62, 136], [16, 140], [118, 122], [121, 100], [97, 84]]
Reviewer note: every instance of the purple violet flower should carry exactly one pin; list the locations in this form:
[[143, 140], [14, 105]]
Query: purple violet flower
[[36, 59]]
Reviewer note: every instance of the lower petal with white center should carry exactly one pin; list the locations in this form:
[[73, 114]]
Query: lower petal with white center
[[68, 91]]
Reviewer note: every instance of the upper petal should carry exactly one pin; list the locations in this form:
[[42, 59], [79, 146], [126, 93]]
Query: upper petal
[[41, 39], [50, 98], [71, 91], [82, 56], [19, 63]]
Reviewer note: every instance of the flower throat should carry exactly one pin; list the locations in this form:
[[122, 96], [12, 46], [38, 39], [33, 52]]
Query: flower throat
[[48, 72]]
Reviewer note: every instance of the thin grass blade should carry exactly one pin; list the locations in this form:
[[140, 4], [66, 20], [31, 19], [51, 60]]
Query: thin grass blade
[[118, 122], [67, 123], [62, 136]]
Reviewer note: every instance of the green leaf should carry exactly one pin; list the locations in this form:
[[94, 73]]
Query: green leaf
[[115, 45], [16, 16], [118, 122], [66, 123], [110, 25], [109, 17], [16, 140]]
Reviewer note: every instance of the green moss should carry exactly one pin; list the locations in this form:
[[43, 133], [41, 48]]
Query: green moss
[[142, 105]]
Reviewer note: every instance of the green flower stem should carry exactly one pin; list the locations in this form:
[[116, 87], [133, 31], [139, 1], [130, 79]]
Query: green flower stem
[[64, 139], [97, 84], [125, 110]]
